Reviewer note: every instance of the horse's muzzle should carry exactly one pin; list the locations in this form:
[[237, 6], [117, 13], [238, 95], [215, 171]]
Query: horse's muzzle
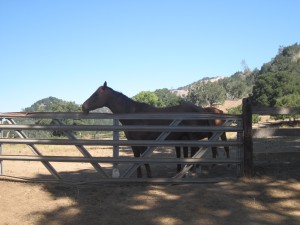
[[84, 109]]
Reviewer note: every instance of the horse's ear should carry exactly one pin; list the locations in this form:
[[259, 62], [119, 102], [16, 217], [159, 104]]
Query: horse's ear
[[102, 88]]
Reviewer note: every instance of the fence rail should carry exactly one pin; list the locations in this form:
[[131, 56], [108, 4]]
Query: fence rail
[[148, 128], [275, 110], [232, 123], [130, 116], [115, 160], [272, 111]]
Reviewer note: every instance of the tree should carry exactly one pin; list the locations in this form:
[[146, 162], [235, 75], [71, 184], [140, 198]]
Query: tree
[[206, 93], [278, 78], [272, 86], [64, 106], [167, 98], [246, 68], [158, 98], [196, 95], [235, 88], [147, 97], [292, 100]]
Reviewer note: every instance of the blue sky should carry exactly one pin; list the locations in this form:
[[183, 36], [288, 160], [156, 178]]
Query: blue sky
[[67, 48]]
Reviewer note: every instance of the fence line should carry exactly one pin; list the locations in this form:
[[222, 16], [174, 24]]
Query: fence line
[[115, 142], [244, 141]]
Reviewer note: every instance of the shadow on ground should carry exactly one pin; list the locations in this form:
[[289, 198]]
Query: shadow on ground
[[272, 197]]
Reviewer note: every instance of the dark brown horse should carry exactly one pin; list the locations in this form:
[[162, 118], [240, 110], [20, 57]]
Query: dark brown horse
[[105, 96]]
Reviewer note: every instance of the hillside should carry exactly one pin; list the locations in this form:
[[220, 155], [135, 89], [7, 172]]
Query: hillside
[[52, 104], [204, 80]]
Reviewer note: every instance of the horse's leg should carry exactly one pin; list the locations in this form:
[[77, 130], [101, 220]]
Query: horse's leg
[[185, 152], [147, 166], [136, 153], [226, 148], [214, 152], [193, 152], [178, 156], [178, 151], [214, 149], [224, 138], [148, 170]]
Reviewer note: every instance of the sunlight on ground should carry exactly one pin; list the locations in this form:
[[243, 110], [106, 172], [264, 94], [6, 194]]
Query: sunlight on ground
[[168, 220]]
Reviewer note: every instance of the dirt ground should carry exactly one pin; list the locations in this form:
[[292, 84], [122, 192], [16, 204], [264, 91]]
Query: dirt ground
[[271, 197]]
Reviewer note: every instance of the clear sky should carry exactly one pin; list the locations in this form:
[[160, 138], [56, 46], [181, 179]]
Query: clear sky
[[67, 48]]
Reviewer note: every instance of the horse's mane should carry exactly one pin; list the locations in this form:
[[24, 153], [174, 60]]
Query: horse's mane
[[130, 102]]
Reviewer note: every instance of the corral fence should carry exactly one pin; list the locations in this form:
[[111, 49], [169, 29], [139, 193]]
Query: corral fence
[[26, 129], [251, 132]]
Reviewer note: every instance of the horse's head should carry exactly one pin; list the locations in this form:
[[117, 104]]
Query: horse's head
[[97, 100]]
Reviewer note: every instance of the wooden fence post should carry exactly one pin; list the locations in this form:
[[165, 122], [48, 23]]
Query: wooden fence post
[[248, 142]]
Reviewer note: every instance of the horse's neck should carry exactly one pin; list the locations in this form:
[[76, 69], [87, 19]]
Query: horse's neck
[[119, 103]]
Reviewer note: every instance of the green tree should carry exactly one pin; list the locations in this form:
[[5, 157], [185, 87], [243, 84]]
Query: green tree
[[235, 88], [196, 95], [64, 106], [278, 78], [206, 93], [167, 98], [292, 100], [271, 86], [148, 97]]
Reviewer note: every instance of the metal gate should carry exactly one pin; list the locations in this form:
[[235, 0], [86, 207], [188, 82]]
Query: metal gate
[[27, 129]]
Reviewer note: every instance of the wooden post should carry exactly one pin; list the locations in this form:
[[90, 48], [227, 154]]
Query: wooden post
[[248, 142]]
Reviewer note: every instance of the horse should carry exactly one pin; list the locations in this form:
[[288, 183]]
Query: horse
[[117, 102], [216, 122]]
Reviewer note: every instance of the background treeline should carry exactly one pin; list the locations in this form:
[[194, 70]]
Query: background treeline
[[277, 83]]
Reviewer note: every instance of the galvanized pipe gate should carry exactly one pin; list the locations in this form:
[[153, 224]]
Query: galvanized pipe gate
[[20, 123]]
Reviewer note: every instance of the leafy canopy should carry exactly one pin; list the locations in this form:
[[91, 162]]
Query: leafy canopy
[[158, 98], [279, 78]]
